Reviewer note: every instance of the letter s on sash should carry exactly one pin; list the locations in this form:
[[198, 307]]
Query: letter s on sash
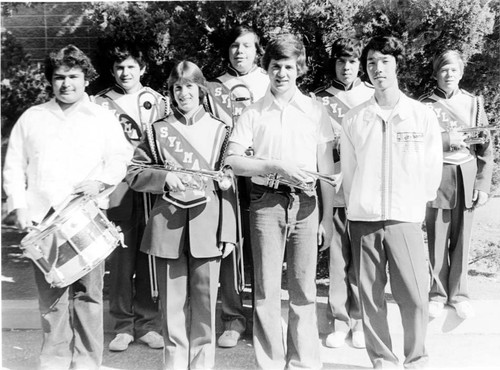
[[163, 132]]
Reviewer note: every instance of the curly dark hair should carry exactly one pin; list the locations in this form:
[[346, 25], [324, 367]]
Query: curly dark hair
[[69, 56], [119, 53]]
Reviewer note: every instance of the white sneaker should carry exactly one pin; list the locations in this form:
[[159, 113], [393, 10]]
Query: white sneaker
[[464, 310], [435, 309], [358, 339], [228, 339], [120, 342], [152, 339], [336, 339]]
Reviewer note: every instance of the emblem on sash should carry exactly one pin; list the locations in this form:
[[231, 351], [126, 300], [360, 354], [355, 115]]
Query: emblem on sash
[[177, 151]]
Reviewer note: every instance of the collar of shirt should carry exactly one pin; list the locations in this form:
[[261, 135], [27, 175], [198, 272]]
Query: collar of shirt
[[341, 86], [83, 106], [442, 94], [299, 100], [189, 121], [401, 109]]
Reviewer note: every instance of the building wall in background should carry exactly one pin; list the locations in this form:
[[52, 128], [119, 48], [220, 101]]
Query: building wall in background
[[45, 27]]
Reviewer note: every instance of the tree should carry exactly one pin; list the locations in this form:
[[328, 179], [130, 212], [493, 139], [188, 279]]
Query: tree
[[23, 82]]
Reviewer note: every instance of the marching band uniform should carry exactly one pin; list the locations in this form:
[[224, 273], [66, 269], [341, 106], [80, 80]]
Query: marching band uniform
[[343, 312], [183, 232], [219, 103], [219, 100], [133, 309], [449, 215], [50, 151], [385, 215]]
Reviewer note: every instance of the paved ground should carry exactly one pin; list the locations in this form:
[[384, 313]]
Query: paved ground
[[451, 342]]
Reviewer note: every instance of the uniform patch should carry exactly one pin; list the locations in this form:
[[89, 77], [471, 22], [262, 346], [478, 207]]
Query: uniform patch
[[410, 141]]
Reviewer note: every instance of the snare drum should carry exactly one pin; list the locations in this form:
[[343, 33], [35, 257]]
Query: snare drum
[[73, 243]]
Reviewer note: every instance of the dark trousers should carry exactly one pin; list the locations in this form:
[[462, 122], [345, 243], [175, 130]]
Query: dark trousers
[[131, 305], [188, 295], [400, 246], [448, 234], [72, 322], [344, 312], [232, 314]]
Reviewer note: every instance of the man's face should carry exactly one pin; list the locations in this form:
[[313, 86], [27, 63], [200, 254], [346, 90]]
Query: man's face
[[187, 96], [449, 76], [283, 75], [68, 85], [242, 53], [346, 69], [128, 75], [381, 69]]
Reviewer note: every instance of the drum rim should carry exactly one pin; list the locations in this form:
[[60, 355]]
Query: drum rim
[[65, 215]]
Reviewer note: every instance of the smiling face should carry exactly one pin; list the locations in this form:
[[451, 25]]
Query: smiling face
[[127, 74], [381, 69], [346, 69], [68, 85], [242, 53], [448, 77], [283, 75], [187, 96]]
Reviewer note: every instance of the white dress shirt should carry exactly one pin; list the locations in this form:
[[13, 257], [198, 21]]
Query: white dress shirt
[[291, 132], [51, 151]]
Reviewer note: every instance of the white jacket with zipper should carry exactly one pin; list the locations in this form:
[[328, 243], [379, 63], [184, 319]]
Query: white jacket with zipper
[[391, 168]]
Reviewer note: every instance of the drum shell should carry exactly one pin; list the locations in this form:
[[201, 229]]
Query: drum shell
[[73, 244]]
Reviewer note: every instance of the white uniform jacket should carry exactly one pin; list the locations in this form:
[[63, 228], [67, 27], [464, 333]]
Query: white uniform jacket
[[391, 168]]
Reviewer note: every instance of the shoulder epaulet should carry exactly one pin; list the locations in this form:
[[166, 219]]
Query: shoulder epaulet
[[425, 96], [216, 118], [320, 89], [103, 92], [215, 80], [465, 92], [154, 92]]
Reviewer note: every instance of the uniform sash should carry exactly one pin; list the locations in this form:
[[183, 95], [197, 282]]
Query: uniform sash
[[448, 120], [221, 96], [177, 151], [131, 129], [335, 107], [152, 107], [229, 102]]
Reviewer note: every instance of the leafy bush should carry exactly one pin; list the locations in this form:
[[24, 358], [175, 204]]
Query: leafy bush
[[23, 83], [170, 31]]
